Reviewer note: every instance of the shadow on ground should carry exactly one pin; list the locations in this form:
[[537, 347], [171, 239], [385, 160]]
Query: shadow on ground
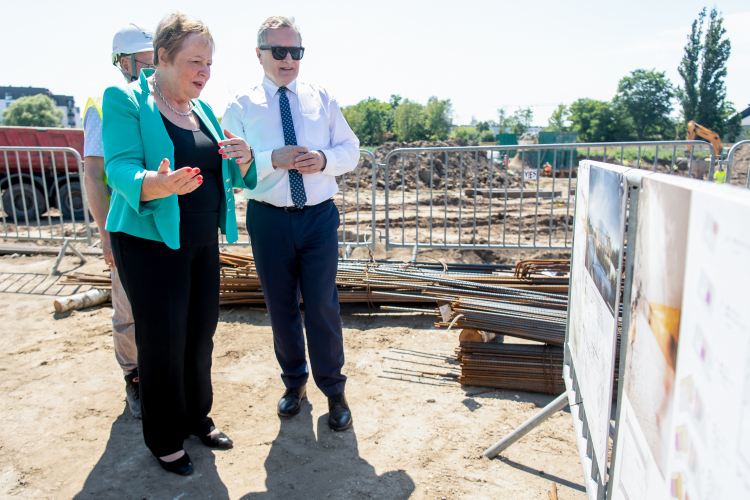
[[128, 470], [303, 466], [553, 478]]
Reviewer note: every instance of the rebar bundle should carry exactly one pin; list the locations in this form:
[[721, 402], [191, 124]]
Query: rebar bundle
[[522, 367], [369, 282]]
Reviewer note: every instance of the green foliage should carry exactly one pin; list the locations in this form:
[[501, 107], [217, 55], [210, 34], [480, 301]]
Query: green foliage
[[482, 126], [368, 120], [521, 120], [646, 98], [556, 122], [33, 111], [467, 133], [487, 136], [409, 121], [375, 122], [438, 118], [504, 122], [600, 121], [703, 69]]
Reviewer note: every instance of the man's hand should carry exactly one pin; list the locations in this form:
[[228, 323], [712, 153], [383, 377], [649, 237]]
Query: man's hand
[[283, 158], [109, 259], [309, 163]]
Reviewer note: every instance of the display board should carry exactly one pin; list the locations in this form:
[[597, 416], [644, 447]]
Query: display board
[[647, 402], [710, 432], [685, 405], [595, 296]]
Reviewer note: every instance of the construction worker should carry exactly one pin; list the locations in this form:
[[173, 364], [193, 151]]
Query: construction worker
[[132, 51], [720, 176]]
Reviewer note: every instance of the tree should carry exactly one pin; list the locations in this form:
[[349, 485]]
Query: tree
[[469, 134], [367, 120], [482, 126], [556, 122], [521, 120], [504, 122], [438, 118], [33, 111], [599, 121], [646, 97], [487, 136], [703, 69], [409, 121]]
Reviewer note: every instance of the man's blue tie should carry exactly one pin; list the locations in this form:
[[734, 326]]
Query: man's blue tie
[[299, 197]]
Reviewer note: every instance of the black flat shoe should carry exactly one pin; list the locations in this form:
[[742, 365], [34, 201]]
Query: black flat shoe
[[182, 466], [339, 415], [291, 402], [220, 440]]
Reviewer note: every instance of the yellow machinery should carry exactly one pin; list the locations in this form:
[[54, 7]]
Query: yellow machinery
[[694, 129]]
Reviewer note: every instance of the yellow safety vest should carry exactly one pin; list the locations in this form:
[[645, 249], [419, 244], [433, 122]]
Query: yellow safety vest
[[720, 176], [96, 103]]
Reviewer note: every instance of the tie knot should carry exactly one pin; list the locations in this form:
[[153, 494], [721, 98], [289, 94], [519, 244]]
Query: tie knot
[[282, 89]]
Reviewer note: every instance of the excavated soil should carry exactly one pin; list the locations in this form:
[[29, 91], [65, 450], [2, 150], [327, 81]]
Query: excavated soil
[[66, 432]]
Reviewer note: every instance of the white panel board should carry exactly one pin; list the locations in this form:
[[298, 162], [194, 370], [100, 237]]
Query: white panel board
[[595, 294], [686, 378]]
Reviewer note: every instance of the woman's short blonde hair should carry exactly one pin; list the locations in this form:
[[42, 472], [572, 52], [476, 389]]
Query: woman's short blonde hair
[[276, 22], [172, 32]]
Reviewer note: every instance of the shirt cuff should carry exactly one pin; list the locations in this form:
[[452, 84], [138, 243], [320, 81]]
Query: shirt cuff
[[330, 162], [263, 163]]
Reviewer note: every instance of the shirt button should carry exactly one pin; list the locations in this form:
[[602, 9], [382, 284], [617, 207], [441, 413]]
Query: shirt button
[[228, 190], [229, 209], [227, 180]]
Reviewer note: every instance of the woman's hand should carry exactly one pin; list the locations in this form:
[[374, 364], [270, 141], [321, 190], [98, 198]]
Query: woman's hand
[[165, 182], [237, 148]]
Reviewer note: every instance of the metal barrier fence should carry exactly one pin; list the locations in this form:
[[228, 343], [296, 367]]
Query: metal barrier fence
[[42, 195], [486, 197], [475, 197]]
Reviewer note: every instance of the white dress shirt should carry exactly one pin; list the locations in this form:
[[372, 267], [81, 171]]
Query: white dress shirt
[[318, 124]]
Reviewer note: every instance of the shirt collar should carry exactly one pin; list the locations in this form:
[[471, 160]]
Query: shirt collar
[[272, 88]]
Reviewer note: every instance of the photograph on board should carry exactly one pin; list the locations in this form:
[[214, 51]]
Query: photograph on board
[[659, 270], [604, 233]]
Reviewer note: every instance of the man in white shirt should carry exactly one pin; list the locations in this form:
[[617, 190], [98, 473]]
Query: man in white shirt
[[132, 51], [301, 143]]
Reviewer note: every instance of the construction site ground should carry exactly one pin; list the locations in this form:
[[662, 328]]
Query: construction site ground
[[66, 431]]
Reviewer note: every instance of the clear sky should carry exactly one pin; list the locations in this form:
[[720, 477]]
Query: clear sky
[[482, 55]]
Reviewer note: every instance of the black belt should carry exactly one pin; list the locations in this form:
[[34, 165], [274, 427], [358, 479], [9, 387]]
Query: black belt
[[292, 208]]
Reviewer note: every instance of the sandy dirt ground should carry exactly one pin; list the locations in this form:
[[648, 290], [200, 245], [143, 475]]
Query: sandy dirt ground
[[66, 432]]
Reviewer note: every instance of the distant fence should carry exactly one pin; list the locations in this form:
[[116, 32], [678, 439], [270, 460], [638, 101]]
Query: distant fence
[[490, 197], [42, 195], [474, 197]]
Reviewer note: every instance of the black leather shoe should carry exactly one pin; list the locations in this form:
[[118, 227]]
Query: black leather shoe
[[291, 402], [339, 415], [220, 440], [182, 466]]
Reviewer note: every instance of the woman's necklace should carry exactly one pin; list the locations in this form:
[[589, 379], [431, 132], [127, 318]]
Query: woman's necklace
[[190, 104]]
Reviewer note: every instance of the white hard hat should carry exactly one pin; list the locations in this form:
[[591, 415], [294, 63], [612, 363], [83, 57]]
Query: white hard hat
[[131, 40]]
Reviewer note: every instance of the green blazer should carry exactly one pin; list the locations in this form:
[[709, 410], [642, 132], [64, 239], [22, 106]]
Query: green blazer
[[135, 141]]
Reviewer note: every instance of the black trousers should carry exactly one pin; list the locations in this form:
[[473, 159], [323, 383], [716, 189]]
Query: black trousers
[[175, 299], [297, 253]]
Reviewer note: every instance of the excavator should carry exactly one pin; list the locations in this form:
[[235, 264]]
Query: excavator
[[694, 129], [700, 166]]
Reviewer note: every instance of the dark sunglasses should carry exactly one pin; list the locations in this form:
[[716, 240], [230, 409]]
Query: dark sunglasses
[[279, 53]]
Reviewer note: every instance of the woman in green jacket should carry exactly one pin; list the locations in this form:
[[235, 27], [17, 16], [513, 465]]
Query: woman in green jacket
[[172, 171]]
